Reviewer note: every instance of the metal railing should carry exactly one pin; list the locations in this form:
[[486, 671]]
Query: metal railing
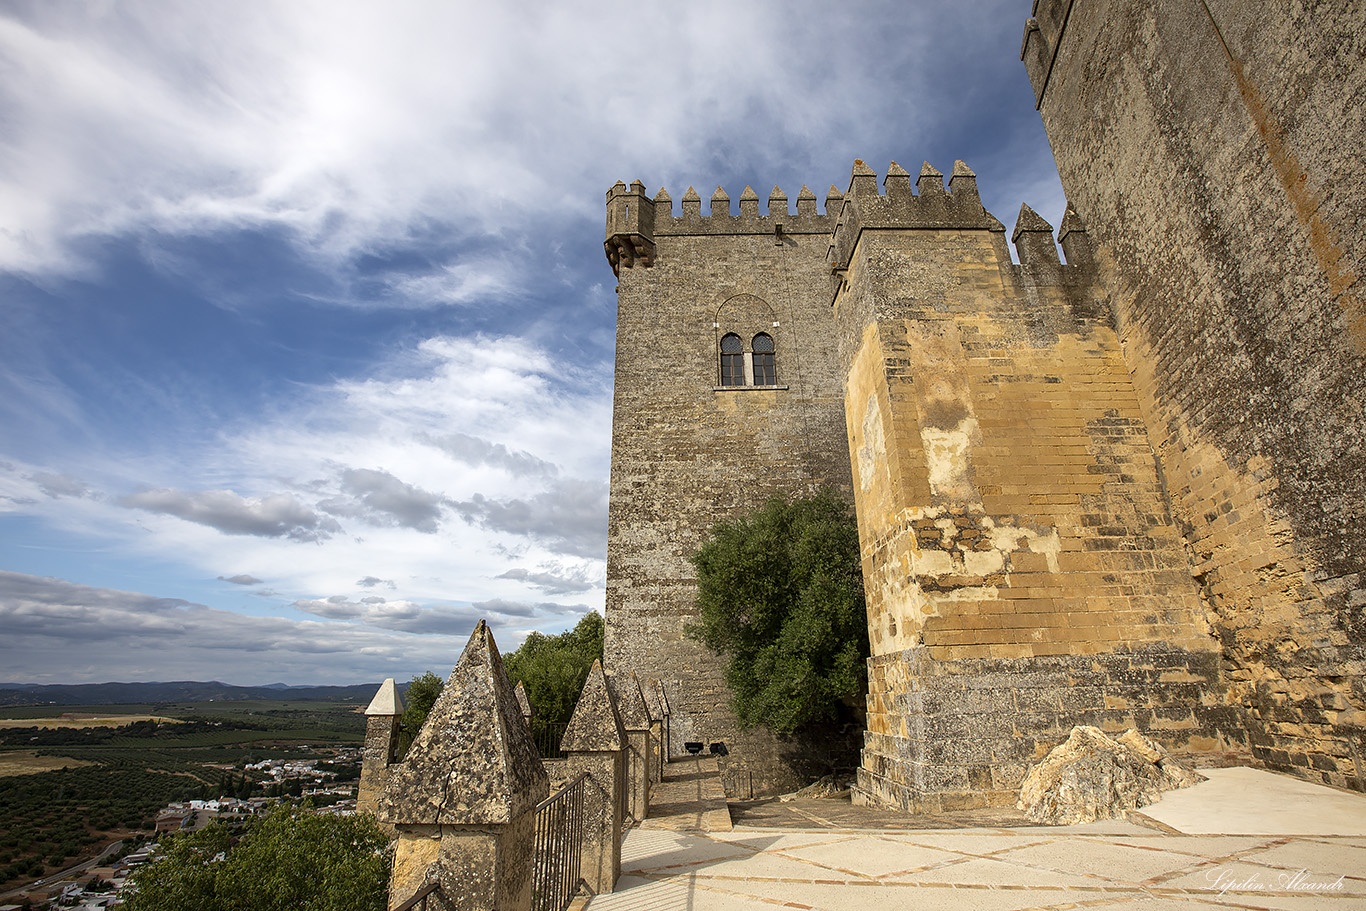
[[419, 901], [547, 736], [555, 875]]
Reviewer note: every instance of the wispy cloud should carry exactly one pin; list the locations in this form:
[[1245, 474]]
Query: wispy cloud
[[474, 450], [379, 498], [354, 126], [273, 516], [305, 292], [61, 631], [344, 488], [372, 581], [60, 485], [571, 516], [404, 616], [555, 580]]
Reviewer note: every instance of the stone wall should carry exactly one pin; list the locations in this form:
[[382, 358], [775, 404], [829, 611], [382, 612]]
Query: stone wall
[[688, 452], [1214, 147], [1010, 510]]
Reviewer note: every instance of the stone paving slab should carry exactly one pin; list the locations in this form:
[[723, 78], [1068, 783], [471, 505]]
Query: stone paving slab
[[818, 859], [1105, 859], [1243, 801], [690, 798], [877, 857], [856, 873]]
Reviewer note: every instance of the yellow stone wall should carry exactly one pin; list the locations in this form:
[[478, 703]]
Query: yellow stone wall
[[1022, 567], [1008, 499], [1214, 149]]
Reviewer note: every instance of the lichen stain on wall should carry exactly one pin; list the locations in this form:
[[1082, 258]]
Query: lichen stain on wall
[[874, 448], [946, 452]]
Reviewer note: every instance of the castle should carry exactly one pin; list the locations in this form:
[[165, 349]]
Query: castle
[[1126, 490]]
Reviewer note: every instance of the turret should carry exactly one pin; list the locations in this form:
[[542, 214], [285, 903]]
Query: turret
[[926, 206], [630, 226], [381, 744]]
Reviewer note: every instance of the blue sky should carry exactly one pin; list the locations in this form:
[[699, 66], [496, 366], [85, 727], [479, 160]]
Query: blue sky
[[307, 348]]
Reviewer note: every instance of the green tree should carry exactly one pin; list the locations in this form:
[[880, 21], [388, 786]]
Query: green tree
[[290, 859], [554, 668], [418, 700], [183, 875], [780, 595], [551, 668]]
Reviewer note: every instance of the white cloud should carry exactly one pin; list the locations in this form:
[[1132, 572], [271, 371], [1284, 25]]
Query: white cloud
[[474, 450], [571, 516], [346, 488], [64, 632], [272, 516], [60, 485], [350, 124], [372, 581], [379, 498], [412, 154], [555, 578]]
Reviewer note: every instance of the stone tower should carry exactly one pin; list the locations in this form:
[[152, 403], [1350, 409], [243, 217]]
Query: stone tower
[[1022, 571], [1214, 148], [727, 391], [379, 753]]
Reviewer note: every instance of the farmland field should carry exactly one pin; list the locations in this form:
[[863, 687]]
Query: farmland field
[[80, 721], [70, 785], [27, 762]]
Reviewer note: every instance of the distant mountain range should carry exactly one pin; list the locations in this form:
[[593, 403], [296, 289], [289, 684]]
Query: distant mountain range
[[179, 691]]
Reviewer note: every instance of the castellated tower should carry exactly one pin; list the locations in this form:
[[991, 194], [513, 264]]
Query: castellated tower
[[727, 391], [1022, 569]]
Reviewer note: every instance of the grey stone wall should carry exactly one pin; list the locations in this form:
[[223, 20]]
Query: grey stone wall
[[961, 734], [687, 453], [1214, 147]]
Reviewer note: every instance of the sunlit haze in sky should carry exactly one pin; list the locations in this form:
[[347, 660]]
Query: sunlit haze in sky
[[306, 360]]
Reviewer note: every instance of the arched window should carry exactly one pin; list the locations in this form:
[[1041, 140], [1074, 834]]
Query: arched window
[[765, 369], [732, 360]]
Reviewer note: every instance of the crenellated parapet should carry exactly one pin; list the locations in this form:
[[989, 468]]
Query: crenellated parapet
[[777, 218], [635, 220], [1039, 47], [1040, 265], [927, 206]]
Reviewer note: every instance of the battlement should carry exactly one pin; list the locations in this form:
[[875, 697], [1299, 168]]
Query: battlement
[[634, 220], [1039, 47], [927, 206]]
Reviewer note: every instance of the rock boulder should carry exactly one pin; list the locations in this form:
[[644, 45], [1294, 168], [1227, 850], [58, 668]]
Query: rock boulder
[[1095, 776]]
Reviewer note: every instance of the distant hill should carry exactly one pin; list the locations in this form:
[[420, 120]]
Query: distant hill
[[179, 691]]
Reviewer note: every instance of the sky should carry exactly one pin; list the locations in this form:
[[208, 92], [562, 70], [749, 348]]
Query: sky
[[307, 330]]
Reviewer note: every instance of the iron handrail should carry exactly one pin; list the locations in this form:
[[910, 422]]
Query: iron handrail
[[565, 787], [555, 877], [421, 896]]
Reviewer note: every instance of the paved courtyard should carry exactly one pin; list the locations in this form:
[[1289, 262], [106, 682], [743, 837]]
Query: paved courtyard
[[1244, 839]]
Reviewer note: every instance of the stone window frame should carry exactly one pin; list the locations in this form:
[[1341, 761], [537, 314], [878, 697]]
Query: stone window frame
[[763, 362], [733, 362], [750, 318]]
